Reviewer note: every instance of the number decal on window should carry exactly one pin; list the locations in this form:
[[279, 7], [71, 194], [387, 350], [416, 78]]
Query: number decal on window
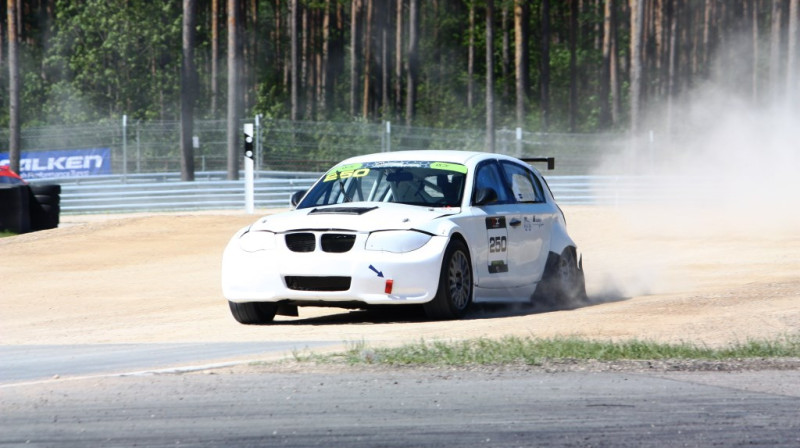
[[334, 175]]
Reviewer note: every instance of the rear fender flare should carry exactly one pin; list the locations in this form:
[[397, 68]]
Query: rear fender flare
[[560, 240]]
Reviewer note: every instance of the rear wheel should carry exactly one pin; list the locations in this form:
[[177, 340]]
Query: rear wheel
[[562, 283], [455, 284], [253, 313]]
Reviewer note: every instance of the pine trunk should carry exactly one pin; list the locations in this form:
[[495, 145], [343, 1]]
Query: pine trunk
[[304, 86], [367, 62], [325, 79], [573, 65], [521, 59], [605, 75], [354, 10], [233, 130], [792, 69], [490, 75], [545, 68], [412, 58], [471, 57], [214, 56], [673, 12], [398, 61], [187, 91], [506, 54], [775, 50], [13, 86], [637, 22]]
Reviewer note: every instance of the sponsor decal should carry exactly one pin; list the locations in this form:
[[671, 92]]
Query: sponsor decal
[[496, 222], [62, 163], [497, 267], [457, 167], [531, 221]]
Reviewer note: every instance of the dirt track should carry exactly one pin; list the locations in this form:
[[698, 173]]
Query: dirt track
[[155, 278]]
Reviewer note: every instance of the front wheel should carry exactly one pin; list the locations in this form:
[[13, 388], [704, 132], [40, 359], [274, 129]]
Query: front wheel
[[455, 284], [563, 282], [253, 313]]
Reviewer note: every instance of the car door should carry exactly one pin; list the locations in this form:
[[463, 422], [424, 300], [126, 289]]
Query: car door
[[495, 224], [530, 221]]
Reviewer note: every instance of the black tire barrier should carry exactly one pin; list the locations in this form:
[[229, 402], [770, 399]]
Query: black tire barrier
[[44, 205], [14, 208], [46, 190], [47, 200]]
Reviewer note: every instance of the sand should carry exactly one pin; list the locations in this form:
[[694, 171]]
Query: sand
[[662, 275]]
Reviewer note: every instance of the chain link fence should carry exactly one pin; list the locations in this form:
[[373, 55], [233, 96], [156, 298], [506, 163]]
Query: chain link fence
[[281, 145]]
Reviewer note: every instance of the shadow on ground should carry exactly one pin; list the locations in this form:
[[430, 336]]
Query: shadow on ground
[[411, 314]]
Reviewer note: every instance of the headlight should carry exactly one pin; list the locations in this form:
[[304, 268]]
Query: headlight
[[397, 241], [252, 241]]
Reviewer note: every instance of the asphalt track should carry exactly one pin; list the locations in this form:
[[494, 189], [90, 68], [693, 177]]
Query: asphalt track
[[405, 408], [30, 363]]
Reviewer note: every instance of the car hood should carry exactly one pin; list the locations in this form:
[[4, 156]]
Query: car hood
[[354, 216]]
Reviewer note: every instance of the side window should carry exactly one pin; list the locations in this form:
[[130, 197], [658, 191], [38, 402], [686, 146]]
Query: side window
[[524, 184], [488, 176]]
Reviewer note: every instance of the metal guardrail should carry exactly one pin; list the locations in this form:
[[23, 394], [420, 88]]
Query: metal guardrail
[[165, 192], [210, 191]]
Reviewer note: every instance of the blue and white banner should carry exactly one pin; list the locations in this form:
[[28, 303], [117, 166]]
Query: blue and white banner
[[62, 163]]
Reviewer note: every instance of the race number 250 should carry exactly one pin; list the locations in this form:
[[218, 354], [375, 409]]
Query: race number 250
[[498, 244]]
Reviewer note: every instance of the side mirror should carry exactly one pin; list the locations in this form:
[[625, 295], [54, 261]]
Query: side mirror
[[296, 197], [484, 196]]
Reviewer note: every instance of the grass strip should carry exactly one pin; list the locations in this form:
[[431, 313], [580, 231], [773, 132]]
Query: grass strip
[[533, 351]]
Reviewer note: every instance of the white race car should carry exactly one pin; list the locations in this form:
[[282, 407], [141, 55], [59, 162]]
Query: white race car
[[441, 229]]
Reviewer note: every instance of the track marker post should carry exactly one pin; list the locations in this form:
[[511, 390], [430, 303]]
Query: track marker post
[[249, 183]]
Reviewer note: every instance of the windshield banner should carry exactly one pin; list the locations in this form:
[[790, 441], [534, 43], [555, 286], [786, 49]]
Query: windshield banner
[[62, 163]]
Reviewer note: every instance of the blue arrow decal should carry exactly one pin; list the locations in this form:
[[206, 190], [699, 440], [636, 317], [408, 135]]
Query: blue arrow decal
[[380, 274]]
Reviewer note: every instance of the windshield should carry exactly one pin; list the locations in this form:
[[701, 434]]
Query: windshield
[[425, 183]]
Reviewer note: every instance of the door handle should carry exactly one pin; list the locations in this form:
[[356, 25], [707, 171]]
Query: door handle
[[515, 222]]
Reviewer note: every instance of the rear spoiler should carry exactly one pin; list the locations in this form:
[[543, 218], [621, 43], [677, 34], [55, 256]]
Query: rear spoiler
[[551, 161]]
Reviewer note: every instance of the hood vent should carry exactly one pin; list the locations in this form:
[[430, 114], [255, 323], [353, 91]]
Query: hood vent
[[341, 210]]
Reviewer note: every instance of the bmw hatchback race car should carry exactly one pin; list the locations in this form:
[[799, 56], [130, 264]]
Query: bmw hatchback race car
[[442, 229]]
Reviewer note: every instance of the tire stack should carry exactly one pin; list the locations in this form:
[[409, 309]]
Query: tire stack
[[27, 208], [45, 206], [14, 208]]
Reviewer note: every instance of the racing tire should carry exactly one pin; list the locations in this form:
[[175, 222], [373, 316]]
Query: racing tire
[[46, 190], [44, 217], [454, 294], [15, 208], [253, 313], [44, 208], [44, 199], [562, 283]]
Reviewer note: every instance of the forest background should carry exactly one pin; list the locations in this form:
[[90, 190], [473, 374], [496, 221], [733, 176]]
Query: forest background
[[542, 65]]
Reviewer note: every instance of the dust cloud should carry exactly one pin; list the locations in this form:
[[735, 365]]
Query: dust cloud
[[728, 174]]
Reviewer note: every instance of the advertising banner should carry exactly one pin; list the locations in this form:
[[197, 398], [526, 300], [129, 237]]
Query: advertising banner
[[62, 163]]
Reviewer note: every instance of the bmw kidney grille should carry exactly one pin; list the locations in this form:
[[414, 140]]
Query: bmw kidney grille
[[301, 242], [329, 242]]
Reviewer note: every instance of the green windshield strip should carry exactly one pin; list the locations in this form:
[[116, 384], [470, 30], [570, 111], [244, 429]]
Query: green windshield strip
[[458, 168], [350, 167]]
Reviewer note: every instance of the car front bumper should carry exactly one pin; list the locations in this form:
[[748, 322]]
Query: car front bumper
[[279, 274]]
